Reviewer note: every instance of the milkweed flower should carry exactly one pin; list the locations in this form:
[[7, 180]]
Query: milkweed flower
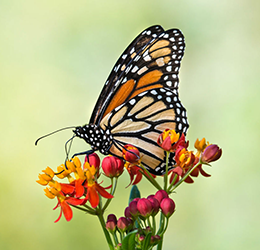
[[131, 154], [168, 206], [167, 139]]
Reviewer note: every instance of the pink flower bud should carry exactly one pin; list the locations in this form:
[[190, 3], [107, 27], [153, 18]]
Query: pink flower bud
[[167, 205], [111, 225], [211, 153], [144, 207], [155, 204], [112, 166], [122, 224], [133, 208], [161, 194]]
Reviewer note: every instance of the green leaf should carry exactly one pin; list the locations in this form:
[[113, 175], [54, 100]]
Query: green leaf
[[147, 241], [134, 193], [128, 242]]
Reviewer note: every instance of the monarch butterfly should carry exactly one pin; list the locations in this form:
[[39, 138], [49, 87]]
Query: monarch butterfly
[[140, 99]]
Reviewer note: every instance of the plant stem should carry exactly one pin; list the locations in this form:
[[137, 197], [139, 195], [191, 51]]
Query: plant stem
[[150, 178], [113, 189], [103, 225], [166, 171]]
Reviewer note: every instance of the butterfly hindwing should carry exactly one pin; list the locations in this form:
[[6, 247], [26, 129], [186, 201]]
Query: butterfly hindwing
[[140, 121]]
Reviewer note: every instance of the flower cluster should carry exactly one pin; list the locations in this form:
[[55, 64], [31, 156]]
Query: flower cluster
[[140, 219], [83, 183], [81, 188]]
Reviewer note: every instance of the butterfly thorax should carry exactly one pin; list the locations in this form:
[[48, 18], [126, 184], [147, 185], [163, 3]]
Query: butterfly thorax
[[98, 138]]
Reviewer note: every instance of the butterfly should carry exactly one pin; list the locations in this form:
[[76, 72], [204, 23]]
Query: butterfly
[[140, 99]]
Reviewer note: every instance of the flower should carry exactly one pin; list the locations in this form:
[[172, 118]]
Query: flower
[[167, 205], [135, 173], [211, 153], [112, 166], [131, 154], [184, 158], [167, 139], [45, 178], [155, 205]]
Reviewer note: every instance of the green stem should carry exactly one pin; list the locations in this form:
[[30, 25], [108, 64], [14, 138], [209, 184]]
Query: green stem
[[159, 246], [185, 176], [92, 211], [150, 178], [166, 171], [154, 225], [103, 225], [173, 181], [112, 191]]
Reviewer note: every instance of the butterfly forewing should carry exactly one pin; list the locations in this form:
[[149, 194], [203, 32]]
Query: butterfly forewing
[[110, 86]]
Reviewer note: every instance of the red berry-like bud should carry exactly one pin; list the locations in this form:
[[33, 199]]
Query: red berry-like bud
[[144, 207], [155, 204], [112, 166], [93, 160], [161, 194], [167, 205], [127, 212], [133, 208], [122, 224], [211, 153]]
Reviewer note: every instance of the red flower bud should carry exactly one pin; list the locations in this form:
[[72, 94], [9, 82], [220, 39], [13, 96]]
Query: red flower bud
[[93, 160], [112, 166], [127, 212], [122, 224], [161, 194], [144, 207], [167, 205], [155, 204], [211, 153], [131, 154]]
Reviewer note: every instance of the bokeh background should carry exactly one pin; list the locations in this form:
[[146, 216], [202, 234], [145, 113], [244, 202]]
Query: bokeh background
[[55, 57]]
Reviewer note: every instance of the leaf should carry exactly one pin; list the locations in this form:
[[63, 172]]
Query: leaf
[[134, 193], [128, 242], [147, 241]]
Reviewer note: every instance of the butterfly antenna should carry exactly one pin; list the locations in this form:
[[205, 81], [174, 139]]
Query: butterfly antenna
[[53, 133]]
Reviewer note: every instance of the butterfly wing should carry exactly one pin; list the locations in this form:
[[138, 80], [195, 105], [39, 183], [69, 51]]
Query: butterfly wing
[[140, 121], [152, 60], [109, 88]]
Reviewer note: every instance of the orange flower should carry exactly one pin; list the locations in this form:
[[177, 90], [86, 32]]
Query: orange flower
[[167, 139], [131, 154]]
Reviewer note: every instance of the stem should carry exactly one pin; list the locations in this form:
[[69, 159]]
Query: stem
[[150, 178], [154, 225], [173, 181], [166, 171], [103, 225], [85, 210], [112, 191], [185, 176]]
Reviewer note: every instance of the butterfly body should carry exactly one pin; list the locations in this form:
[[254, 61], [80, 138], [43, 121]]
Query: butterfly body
[[140, 99]]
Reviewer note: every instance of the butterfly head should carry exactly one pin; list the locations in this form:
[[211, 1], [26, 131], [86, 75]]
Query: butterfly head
[[95, 136]]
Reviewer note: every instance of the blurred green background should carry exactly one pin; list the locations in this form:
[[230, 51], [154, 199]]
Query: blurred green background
[[55, 57]]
